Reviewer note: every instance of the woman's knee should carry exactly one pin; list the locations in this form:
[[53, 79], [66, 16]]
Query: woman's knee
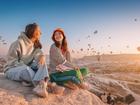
[[25, 76], [84, 71]]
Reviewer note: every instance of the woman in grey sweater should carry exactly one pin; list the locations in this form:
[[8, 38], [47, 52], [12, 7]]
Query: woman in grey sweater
[[26, 61], [61, 69]]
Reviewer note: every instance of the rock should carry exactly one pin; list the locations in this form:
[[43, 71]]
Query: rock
[[129, 99], [2, 63], [119, 99], [12, 92]]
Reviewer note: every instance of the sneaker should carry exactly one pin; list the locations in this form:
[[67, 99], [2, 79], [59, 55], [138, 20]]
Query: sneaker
[[83, 86], [56, 89], [40, 89]]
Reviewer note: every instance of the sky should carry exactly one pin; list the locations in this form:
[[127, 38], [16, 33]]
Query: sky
[[91, 26]]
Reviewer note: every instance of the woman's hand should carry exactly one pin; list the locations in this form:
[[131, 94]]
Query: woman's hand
[[42, 59], [58, 68]]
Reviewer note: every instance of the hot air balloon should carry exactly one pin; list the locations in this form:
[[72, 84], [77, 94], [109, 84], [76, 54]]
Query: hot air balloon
[[127, 46], [89, 45], [135, 19], [111, 52], [92, 48], [81, 49], [108, 46], [88, 36], [73, 51], [109, 37], [95, 32], [4, 43]]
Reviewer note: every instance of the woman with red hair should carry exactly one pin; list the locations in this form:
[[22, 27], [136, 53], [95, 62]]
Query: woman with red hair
[[62, 70]]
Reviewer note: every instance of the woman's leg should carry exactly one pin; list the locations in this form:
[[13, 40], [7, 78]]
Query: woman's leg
[[75, 76], [63, 77], [41, 76], [41, 71], [84, 71], [20, 73], [61, 80]]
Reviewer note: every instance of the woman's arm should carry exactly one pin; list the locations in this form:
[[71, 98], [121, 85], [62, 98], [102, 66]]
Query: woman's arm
[[68, 56], [15, 53], [57, 56]]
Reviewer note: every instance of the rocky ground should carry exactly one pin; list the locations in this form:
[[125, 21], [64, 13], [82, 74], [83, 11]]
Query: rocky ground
[[115, 74], [14, 93]]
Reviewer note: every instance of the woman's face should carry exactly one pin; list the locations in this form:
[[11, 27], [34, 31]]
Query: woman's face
[[58, 36], [37, 33]]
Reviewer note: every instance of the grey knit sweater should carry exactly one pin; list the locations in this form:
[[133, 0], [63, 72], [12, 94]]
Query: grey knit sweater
[[56, 58]]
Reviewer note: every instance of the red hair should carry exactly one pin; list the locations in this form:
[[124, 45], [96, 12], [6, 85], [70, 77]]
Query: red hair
[[64, 46]]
